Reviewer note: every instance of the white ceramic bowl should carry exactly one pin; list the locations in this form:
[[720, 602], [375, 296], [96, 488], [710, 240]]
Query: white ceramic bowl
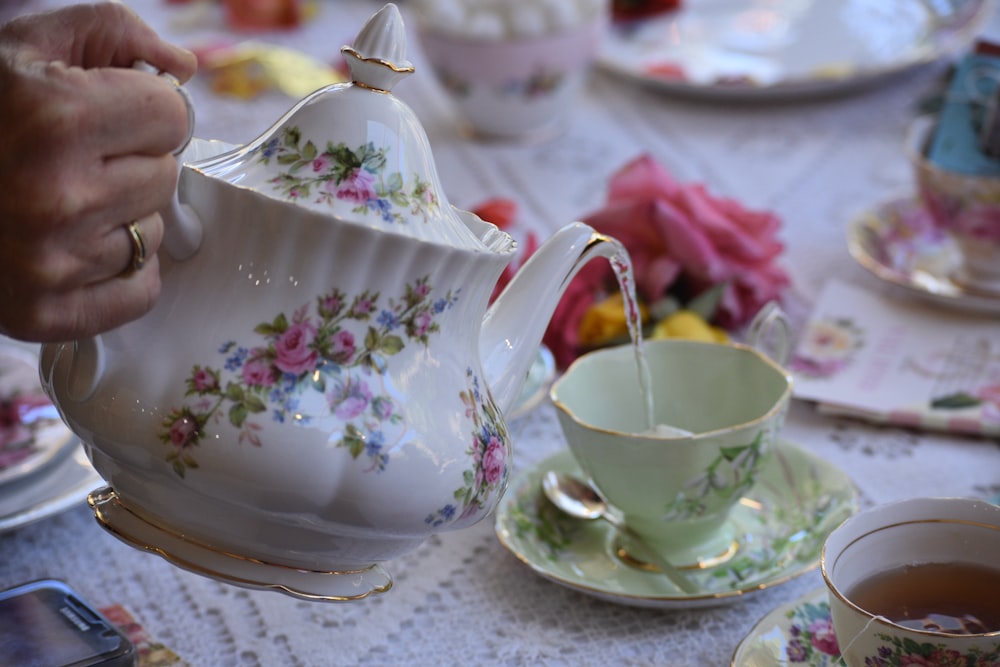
[[512, 87]]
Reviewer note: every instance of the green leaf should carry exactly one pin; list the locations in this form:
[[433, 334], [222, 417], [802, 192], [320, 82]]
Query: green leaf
[[956, 401], [392, 345], [395, 182], [238, 414], [730, 453], [706, 303], [664, 308], [309, 151], [234, 392], [255, 404], [354, 441], [372, 339], [288, 158]]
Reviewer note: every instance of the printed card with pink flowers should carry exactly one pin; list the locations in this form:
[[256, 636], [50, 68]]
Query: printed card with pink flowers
[[899, 361]]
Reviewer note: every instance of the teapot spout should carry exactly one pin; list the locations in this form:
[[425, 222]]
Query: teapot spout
[[515, 323]]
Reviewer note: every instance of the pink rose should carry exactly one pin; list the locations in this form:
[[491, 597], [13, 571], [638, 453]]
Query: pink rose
[[183, 432], [422, 323], [322, 163], [493, 461], [681, 240], [204, 381], [358, 187], [350, 399], [258, 372], [343, 347], [823, 638], [292, 348]]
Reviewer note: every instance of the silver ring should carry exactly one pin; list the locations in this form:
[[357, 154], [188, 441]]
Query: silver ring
[[138, 248]]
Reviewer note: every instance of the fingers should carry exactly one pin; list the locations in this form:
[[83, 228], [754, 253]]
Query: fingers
[[46, 312], [83, 312], [133, 112]]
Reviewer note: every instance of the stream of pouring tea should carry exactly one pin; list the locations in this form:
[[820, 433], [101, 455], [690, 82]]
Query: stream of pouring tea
[[621, 263]]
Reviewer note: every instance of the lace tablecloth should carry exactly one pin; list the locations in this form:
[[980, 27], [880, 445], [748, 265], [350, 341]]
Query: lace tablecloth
[[461, 598]]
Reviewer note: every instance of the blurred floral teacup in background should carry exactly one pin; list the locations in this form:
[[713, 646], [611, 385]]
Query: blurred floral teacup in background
[[513, 69], [965, 205]]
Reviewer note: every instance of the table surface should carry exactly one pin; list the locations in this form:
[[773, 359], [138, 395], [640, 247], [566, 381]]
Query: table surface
[[461, 598]]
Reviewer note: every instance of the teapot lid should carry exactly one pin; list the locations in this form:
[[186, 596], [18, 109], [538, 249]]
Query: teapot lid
[[354, 151]]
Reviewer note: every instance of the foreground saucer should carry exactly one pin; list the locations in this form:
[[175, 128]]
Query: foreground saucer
[[797, 633], [781, 523], [203, 559], [898, 244]]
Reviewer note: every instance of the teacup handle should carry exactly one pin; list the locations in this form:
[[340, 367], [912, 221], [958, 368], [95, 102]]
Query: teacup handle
[[771, 333]]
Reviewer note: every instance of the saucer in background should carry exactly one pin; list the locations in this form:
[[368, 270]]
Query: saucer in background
[[897, 243]]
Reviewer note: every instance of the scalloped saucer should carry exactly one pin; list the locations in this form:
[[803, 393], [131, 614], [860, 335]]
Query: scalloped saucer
[[782, 523], [897, 243], [797, 633]]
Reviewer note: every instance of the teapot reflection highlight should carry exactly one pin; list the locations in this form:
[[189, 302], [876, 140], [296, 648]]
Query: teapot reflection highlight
[[322, 382]]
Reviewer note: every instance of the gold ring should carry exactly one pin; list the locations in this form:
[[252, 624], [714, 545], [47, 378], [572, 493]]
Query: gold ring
[[138, 248]]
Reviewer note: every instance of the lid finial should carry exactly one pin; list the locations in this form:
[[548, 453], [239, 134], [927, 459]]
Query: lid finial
[[378, 57]]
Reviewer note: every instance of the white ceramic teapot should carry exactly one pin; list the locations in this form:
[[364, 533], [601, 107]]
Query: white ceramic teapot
[[322, 382]]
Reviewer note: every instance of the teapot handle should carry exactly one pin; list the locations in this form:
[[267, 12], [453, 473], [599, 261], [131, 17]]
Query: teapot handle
[[182, 228]]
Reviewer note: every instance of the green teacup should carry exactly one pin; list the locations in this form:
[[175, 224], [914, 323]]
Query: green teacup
[[675, 489]]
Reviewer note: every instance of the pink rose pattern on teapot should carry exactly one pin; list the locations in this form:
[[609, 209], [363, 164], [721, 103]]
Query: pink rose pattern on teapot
[[489, 451], [319, 365], [339, 173]]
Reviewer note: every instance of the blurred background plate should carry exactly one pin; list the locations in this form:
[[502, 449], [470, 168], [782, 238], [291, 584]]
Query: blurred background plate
[[56, 489], [32, 435], [763, 49]]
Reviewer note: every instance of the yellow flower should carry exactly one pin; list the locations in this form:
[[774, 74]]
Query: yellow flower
[[605, 322], [689, 325]]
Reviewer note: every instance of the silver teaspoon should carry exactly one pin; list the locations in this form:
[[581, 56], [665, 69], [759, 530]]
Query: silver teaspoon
[[578, 499]]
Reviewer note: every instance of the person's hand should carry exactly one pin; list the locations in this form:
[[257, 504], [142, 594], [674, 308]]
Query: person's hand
[[86, 148]]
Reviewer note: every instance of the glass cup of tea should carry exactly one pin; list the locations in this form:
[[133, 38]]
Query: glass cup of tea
[[917, 582], [674, 453]]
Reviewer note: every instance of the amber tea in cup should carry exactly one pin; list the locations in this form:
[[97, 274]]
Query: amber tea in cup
[[915, 580], [955, 598]]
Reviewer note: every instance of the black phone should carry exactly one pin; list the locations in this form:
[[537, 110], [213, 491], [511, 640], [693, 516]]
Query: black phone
[[46, 623]]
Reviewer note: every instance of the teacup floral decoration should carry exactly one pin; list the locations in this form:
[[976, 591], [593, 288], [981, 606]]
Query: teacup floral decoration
[[703, 264]]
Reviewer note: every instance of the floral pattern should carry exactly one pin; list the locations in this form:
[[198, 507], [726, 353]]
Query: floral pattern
[[326, 363], [489, 450], [904, 652], [811, 638], [828, 347], [729, 475], [338, 173]]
